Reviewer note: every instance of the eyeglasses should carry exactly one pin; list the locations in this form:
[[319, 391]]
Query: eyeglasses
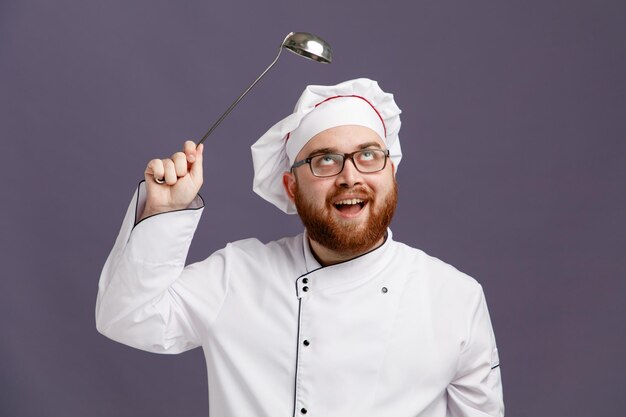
[[331, 164]]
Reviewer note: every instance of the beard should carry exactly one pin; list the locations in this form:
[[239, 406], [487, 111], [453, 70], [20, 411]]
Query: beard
[[347, 237]]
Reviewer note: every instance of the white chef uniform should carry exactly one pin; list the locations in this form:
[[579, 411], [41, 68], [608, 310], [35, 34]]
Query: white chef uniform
[[392, 333]]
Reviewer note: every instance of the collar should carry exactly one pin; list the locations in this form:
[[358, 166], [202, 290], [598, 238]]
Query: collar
[[344, 275]]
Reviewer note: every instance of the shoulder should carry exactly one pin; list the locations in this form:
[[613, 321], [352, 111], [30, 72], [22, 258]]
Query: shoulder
[[448, 293], [435, 272], [249, 258]]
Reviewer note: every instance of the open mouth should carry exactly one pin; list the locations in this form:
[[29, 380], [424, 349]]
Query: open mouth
[[350, 206]]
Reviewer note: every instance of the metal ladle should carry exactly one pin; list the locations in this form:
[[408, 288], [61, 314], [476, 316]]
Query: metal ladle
[[301, 43]]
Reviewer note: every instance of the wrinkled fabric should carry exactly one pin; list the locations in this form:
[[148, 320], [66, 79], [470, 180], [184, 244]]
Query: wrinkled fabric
[[393, 332]]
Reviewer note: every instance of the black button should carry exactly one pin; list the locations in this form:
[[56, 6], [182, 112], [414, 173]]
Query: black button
[[306, 343], [303, 410], [305, 289], [305, 280], [384, 290]]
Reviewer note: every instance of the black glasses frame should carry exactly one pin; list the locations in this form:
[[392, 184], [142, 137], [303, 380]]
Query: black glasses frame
[[344, 156]]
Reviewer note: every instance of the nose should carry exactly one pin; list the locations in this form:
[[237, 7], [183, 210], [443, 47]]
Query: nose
[[349, 176]]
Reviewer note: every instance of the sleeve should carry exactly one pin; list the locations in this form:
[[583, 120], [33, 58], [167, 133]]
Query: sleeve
[[476, 390], [147, 298]]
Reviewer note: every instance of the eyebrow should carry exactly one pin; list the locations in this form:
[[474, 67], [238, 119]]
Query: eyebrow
[[334, 150], [370, 145]]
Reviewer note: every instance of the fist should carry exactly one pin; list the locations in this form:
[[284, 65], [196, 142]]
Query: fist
[[173, 183]]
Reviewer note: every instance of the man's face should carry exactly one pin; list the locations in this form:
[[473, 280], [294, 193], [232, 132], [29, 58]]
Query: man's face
[[350, 212]]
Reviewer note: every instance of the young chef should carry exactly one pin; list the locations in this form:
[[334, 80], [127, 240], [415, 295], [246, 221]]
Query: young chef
[[340, 320]]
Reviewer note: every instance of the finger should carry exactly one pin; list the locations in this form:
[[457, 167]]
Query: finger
[[180, 164], [169, 172], [190, 151], [155, 170], [196, 167]]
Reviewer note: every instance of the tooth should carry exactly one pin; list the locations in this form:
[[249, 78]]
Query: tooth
[[349, 201]]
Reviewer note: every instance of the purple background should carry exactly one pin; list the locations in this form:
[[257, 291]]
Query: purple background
[[514, 131]]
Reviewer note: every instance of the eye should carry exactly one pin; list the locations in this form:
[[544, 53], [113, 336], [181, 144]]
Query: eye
[[328, 159], [367, 155]]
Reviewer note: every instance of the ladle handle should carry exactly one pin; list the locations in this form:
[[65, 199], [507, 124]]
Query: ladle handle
[[232, 106]]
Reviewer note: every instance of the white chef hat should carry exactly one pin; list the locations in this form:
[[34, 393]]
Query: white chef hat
[[356, 102]]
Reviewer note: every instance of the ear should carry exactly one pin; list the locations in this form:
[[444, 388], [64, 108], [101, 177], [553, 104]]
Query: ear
[[289, 182], [393, 168]]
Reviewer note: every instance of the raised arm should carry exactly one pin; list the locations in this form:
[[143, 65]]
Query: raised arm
[[147, 298]]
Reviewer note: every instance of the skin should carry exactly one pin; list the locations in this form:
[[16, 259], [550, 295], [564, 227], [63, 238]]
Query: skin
[[341, 139], [183, 177]]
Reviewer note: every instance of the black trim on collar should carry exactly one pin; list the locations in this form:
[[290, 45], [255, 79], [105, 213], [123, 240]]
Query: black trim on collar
[[342, 262]]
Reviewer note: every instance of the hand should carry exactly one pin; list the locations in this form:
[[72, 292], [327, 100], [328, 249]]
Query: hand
[[173, 183]]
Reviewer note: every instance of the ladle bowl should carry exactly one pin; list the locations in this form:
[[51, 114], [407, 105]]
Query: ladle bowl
[[309, 46]]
